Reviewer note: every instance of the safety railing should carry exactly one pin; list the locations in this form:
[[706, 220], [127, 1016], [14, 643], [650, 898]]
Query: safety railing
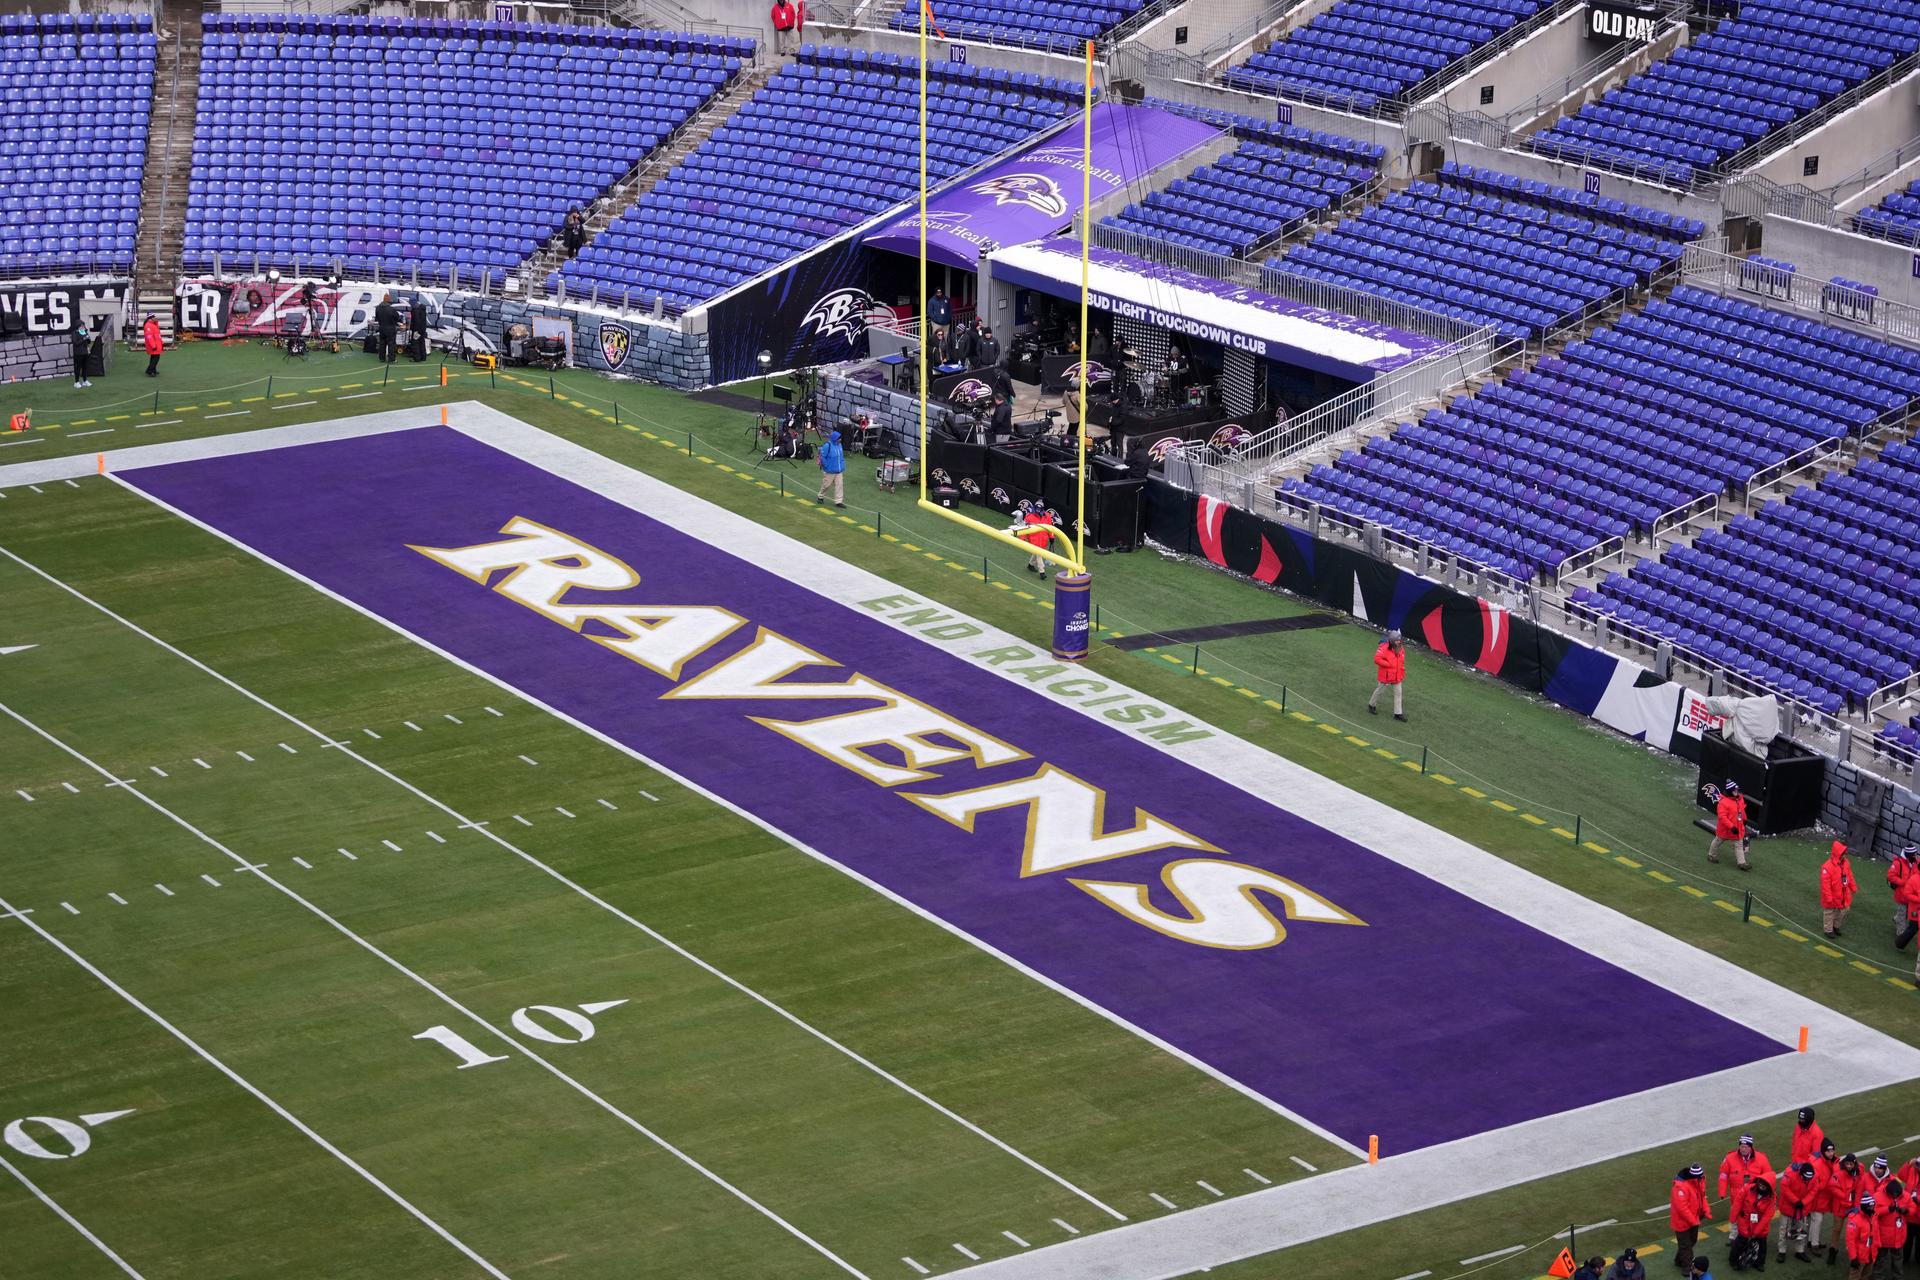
[[1229, 46], [1835, 303], [1668, 26], [1892, 691], [1134, 24], [1674, 523], [1480, 55], [65, 267], [1799, 127], [1280, 281], [1582, 561], [1783, 471]]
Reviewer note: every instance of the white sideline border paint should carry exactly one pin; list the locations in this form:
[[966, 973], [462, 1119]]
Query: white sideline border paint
[[245, 1084], [62, 1214], [424, 984], [1845, 1056]]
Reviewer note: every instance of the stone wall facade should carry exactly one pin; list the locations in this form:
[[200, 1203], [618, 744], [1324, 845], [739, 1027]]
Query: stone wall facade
[[605, 341]]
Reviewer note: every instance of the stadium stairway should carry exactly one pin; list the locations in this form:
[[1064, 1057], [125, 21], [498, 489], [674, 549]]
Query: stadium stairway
[[640, 179], [169, 164]]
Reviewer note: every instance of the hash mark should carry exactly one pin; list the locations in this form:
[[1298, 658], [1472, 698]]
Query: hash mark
[[565, 813], [303, 862], [490, 711], [71, 909], [371, 734], [202, 763], [916, 1266], [162, 888], [436, 837], [349, 857], [391, 845], [1016, 1239], [1209, 1188], [117, 898], [411, 725], [244, 756], [157, 769], [966, 1252], [209, 879], [289, 750], [1157, 1197], [609, 804], [71, 789], [1303, 1164], [649, 795], [1066, 1226], [1265, 1182], [23, 795], [522, 821], [530, 760], [455, 719]]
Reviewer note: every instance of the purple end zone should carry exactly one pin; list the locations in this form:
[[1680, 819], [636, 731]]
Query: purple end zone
[[1439, 1019]]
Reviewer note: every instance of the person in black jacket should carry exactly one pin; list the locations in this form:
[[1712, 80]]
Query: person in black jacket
[[386, 320], [986, 347], [960, 346], [1000, 425], [417, 322], [82, 349]]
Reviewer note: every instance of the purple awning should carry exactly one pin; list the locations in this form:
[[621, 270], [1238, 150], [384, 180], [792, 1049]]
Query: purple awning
[[1037, 192]]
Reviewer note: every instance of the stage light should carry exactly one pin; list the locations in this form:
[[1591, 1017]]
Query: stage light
[[273, 276], [765, 360]]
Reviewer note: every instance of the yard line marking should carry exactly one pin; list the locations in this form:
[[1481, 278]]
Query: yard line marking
[[530, 760], [1158, 1198], [609, 804], [391, 845], [349, 857], [966, 1252], [244, 756], [101, 431], [162, 888], [448, 1000], [507, 845], [436, 837], [298, 404], [202, 763], [358, 395], [209, 879], [304, 863], [565, 813], [164, 422], [231, 413], [71, 1221], [1659, 1208], [1210, 1188], [1265, 1182], [1595, 1226], [1016, 1239], [916, 1266], [1066, 1226], [1867, 1151], [244, 1083], [71, 909], [117, 898], [1489, 1257], [1297, 1160]]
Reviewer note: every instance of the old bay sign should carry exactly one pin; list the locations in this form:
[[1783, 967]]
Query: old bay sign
[[894, 741]]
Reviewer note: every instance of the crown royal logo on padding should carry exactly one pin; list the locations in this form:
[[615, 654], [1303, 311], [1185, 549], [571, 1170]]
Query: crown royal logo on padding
[[840, 314], [615, 343], [1031, 189]]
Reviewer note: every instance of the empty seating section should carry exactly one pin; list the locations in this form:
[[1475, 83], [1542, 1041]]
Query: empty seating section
[[1519, 264], [1244, 199], [390, 144], [1688, 400], [74, 116], [1897, 217], [1816, 596], [1361, 52], [1063, 26], [1775, 61], [827, 144]]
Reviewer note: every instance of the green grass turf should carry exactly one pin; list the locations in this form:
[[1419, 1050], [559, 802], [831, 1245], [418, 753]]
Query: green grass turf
[[1474, 732]]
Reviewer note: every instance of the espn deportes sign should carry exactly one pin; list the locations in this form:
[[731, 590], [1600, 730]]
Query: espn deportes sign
[[1617, 23]]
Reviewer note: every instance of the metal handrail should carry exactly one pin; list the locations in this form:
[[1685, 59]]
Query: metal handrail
[[173, 115], [1133, 24], [1581, 561], [1670, 523], [1799, 127], [1480, 55], [1834, 304]]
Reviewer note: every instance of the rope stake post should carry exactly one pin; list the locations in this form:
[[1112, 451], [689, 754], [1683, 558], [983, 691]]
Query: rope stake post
[[1196, 659], [1576, 828], [1746, 912], [1423, 761]]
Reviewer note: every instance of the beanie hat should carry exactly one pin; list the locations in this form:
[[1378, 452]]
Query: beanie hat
[[1879, 1162], [1866, 1202], [1746, 1140], [1806, 1115], [1806, 1171], [1695, 1171]]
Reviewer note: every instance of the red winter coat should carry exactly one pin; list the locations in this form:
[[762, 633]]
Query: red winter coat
[[783, 16], [1796, 1193], [1907, 894], [1806, 1142], [1037, 517], [1731, 816], [1837, 885], [1843, 1189], [150, 333], [1890, 1225], [1863, 1242], [1391, 663], [1752, 1212], [1687, 1203], [1909, 1175], [1736, 1172]]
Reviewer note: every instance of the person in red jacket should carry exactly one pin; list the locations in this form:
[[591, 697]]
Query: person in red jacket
[[1730, 823], [1807, 1138], [1824, 1210], [1890, 1229], [1863, 1241], [1909, 1178], [1837, 887], [1390, 671], [1906, 900], [1846, 1180], [785, 19], [150, 339], [1900, 869], [1750, 1217], [1879, 1173], [1686, 1210], [1743, 1164], [1795, 1199]]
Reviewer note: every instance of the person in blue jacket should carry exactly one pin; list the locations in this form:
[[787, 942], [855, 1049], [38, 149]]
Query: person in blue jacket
[[939, 318], [833, 470]]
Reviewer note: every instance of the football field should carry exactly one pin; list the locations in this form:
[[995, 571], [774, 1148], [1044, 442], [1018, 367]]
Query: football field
[[437, 852]]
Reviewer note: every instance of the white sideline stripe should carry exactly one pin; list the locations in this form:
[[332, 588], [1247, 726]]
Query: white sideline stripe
[[1265, 1182], [1595, 1226], [1489, 1257], [447, 1000], [918, 1269], [1297, 1160], [229, 1072], [69, 1219], [790, 1017], [1160, 1199]]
